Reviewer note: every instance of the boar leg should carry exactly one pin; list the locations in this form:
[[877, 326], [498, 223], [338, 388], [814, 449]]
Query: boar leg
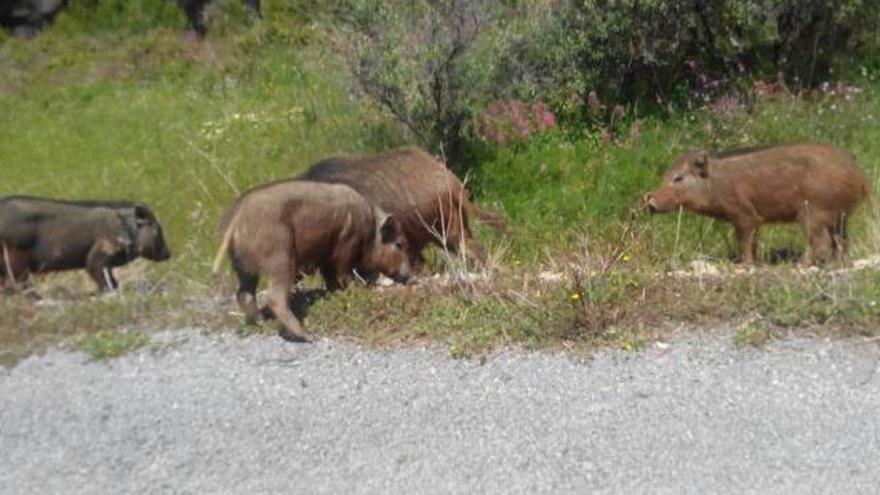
[[331, 280], [839, 237], [817, 229], [747, 236], [98, 265], [475, 251], [103, 277], [282, 275], [819, 244], [459, 236], [472, 249], [247, 292]]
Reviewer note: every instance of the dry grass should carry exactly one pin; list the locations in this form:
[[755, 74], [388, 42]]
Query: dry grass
[[593, 299]]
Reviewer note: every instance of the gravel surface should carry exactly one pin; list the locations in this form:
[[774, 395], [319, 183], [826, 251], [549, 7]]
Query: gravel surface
[[219, 414]]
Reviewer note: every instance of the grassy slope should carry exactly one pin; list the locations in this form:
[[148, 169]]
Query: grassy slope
[[180, 125], [183, 126]]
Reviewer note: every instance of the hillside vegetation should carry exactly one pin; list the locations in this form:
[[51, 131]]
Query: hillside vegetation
[[121, 103]]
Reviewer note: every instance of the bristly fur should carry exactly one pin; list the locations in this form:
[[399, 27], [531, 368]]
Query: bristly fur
[[291, 227], [426, 197], [817, 185], [739, 151]]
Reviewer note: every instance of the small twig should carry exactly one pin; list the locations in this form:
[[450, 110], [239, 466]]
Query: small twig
[[213, 163], [8, 263], [524, 299], [107, 280], [677, 232]]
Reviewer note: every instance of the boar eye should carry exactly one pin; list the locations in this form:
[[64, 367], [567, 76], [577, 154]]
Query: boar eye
[[678, 178], [398, 245]]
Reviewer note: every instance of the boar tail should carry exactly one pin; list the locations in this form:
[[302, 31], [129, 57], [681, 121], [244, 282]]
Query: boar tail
[[224, 246], [491, 219], [488, 218]]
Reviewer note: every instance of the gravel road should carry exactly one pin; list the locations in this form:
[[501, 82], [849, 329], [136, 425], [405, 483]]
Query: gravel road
[[220, 414]]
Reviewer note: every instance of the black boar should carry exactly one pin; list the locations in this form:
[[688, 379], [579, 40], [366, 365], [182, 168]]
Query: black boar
[[817, 185], [428, 199], [25, 17], [195, 13], [285, 228], [28, 16], [44, 235]]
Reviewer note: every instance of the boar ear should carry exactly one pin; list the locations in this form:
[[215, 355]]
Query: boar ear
[[701, 163], [143, 215], [388, 229]]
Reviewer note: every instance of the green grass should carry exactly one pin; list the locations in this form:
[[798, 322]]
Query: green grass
[[124, 110], [590, 187], [751, 334], [185, 133], [108, 345]]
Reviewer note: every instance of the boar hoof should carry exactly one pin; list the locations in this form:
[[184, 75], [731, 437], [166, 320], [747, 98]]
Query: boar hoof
[[266, 314], [291, 336]]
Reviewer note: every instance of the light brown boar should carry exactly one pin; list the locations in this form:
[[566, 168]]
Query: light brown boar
[[816, 185], [430, 202], [285, 228]]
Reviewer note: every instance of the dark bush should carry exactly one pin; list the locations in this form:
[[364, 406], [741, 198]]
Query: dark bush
[[655, 52], [419, 59]]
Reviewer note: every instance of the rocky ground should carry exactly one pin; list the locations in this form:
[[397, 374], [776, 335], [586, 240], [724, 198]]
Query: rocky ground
[[210, 414]]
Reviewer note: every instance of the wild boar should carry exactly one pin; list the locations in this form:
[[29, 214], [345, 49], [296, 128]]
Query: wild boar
[[195, 13], [284, 228], [816, 185], [428, 200], [24, 17], [40, 235]]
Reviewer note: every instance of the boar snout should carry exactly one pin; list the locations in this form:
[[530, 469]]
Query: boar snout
[[155, 248], [649, 203], [164, 254]]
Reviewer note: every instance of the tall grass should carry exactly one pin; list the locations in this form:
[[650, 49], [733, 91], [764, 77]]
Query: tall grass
[[555, 189], [181, 126], [118, 110]]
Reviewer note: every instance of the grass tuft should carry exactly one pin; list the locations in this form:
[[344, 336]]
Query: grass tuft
[[111, 344], [751, 334]]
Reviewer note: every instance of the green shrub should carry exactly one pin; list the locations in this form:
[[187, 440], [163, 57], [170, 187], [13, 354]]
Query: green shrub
[[652, 53], [423, 61], [436, 64]]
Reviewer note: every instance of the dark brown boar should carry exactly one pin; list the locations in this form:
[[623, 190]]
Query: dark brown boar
[[430, 202], [816, 185], [285, 228], [40, 235]]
